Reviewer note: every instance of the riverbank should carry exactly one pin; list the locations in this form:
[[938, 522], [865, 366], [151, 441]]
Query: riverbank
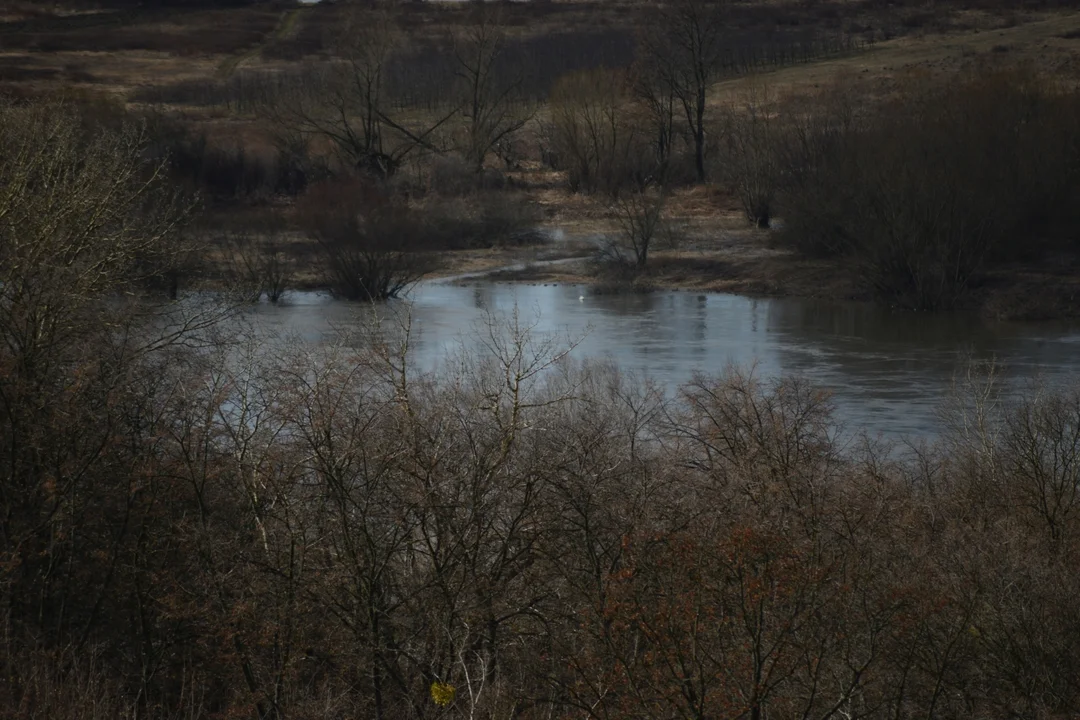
[[1021, 294], [724, 256], [707, 247]]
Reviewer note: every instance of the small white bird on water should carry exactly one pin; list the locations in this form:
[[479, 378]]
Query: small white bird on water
[[581, 298]]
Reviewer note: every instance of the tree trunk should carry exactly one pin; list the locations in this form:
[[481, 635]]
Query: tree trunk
[[699, 134]]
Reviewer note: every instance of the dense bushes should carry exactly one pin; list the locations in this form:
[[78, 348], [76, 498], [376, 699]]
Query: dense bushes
[[373, 247], [376, 244], [922, 194], [236, 171]]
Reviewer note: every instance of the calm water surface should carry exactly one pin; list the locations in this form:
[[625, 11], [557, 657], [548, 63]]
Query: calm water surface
[[889, 371]]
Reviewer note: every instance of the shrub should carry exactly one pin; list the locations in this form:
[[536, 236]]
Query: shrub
[[640, 216], [453, 176], [483, 220], [258, 261], [593, 137], [751, 161], [372, 245], [237, 171], [927, 190]]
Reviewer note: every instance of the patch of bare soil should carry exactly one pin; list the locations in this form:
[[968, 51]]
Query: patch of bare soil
[[1047, 291]]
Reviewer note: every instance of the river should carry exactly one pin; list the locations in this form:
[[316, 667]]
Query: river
[[889, 371]]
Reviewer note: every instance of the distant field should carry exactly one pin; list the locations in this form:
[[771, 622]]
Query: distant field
[[136, 53]]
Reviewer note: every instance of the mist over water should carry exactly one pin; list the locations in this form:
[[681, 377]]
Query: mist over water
[[889, 371]]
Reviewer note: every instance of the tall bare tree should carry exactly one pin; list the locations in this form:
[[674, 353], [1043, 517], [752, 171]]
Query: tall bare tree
[[491, 103], [348, 105], [683, 48]]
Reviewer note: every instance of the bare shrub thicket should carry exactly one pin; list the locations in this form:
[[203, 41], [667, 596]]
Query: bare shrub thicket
[[524, 534], [925, 192], [313, 532], [593, 136], [237, 171], [259, 260], [373, 247], [481, 220], [375, 243]]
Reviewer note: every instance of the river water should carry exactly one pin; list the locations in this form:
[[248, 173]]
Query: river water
[[889, 371]]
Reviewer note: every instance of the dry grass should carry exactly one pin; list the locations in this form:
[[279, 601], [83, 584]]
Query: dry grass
[[119, 56], [156, 48], [1042, 43], [717, 252]]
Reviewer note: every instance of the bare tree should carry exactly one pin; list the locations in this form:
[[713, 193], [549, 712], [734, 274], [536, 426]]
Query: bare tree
[[347, 102], [79, 217], [683, 48], [658, 99], [640, 214], [492, 105]]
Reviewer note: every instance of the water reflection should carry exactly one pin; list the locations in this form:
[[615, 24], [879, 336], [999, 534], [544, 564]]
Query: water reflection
[[888, 370]]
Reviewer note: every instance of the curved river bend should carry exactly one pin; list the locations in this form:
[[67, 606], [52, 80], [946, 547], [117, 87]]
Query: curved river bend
[[888, 371]]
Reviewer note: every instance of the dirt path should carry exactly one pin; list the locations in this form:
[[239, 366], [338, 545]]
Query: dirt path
[[285, 26]]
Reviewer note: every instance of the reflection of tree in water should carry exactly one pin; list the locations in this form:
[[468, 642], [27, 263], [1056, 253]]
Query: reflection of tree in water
[[625, 304], [699, 323], [900, 362], [669, 324], [482, 296], [822, 321]]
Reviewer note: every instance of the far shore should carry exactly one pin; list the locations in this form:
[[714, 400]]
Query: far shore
[[738, 262], [744, 263]]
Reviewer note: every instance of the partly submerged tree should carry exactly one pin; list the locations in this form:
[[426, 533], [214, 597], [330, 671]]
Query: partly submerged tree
[[372, 246]]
